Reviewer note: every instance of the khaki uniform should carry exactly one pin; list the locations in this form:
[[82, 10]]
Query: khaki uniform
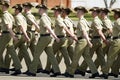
[[31, 34], [97, 43], [20, 20], [107, 24], [114, 49], [81, 48], [44, 43], [69, 23], [61, 46], [7, 42]]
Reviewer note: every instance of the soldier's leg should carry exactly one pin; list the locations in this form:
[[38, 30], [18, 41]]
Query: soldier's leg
[[52, 59], [41, 45], [79, 49]]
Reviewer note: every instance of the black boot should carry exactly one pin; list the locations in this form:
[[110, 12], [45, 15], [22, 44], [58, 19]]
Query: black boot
[[105, 76], [30, 74], [25, 72], [17, 72], [39, 70], [55, 74], [66, 74], [46, 72], [12, 69], [112, 74], [94, 75], [4, 70], [80, 72], [88, 71]]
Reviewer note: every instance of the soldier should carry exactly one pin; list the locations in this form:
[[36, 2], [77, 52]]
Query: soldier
[[6, 39], [82, 46], [96, 35], [32, 27], [60, 30], [107, 31], [20, 30], [114, 49], [44, 43]]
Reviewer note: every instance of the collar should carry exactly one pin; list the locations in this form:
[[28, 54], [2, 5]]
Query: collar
[[82, 17], [44, 14], [5, 11], [29, 12]]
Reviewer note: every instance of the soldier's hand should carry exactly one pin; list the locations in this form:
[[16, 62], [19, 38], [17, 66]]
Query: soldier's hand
[[57, 40], [90, 44], [106, 42], [15, 39]]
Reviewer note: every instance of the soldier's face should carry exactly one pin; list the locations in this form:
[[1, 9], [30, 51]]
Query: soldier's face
[[56, 12], [63, 14], [116, 16], [25, 9], [79, 13], [40, 11]]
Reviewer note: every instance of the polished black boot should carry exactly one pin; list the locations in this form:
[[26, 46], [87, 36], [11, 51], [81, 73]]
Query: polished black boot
[[39, 70], [112, 74], [55, 74], [4, 70], [12, 69], [46, 72], [17, 72], [30, 74], [105, 76], [94, 75], [25, 72], [88, 71], [66, 74], [80, 72]]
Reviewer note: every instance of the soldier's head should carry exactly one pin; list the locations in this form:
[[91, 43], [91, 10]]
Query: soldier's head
[[95, 11], [57, 10], [5, 5], [80, 11], [27, 6], [104, 12], [42, 8], [66, 12], [116, 13], [18, 8]]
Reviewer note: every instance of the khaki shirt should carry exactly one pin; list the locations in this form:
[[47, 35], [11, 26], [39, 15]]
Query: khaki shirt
[[96, 25], [82, 26], [7, 19], [30, 18], [44, 22], [20, 20], [116, 28], [107, 24], [68, 22], [59, 24]]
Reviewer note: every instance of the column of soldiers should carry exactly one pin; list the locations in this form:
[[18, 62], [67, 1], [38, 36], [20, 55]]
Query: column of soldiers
[[60, 39]]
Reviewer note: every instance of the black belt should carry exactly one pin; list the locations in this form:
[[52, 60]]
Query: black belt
[[96, 37], [116, 37], [31, 30], [18, 33], [4, 32], [108, 37], [80, 38], [60, 36], [44, 35]]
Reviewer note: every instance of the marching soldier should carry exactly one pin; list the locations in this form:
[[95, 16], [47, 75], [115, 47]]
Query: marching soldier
[[114, 49], [60, 30], [96, 35], [6, 39], [107, 31], [82, 46], [44, 43], [32, 27]]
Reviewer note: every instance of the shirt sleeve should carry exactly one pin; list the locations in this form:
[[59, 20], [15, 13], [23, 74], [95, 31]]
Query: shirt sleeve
[[5, 19], [18, 21], [108, 24], [82, 26], [61, 23], [97, 24]]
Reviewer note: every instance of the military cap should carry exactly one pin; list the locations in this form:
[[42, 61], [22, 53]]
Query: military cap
[[97, 9], [28, 4], [18, 6], [59, 8], [41, 6], [117, 10], [105, 10], [81, 8], [5, 3]]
